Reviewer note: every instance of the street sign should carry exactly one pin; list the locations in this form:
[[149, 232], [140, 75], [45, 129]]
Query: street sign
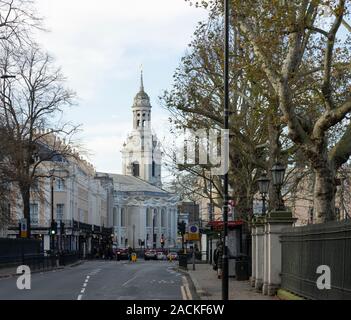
[[193, 233], [193, 229], [24, 229]]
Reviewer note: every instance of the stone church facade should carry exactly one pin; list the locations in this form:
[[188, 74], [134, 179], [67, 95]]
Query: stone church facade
[[144, 215]]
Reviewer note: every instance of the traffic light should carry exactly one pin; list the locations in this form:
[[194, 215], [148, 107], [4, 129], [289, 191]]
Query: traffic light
[[62, 228], [53, 229], [181, 227]]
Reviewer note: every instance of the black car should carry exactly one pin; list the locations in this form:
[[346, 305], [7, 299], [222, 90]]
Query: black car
[[122, 254]]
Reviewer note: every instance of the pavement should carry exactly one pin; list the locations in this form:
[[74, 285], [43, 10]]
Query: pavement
[[104, 280], [209, 287]]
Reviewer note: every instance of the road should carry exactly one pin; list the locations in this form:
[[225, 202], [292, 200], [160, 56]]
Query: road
[[104, 280]]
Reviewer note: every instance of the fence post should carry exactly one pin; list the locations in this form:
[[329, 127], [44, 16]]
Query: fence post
[[259, 253], [253, 252], [276, 222]]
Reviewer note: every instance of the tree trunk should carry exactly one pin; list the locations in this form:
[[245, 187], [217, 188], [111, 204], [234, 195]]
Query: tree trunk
[[25, 192], [324, 194]]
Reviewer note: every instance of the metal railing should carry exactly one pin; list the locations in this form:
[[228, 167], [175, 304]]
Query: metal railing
[[39, 262], [306, 248]]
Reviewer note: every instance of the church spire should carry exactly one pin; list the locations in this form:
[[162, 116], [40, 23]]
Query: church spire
[[141, 79]]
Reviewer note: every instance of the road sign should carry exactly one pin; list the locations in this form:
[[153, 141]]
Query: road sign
[[193, 233], [24, 229]]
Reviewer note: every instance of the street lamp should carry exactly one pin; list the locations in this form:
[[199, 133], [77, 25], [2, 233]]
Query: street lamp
[[278, 173], [225, 274], [263, 185]]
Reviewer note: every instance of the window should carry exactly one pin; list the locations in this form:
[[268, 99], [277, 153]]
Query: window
[[138, 123], [153, 168], [34, 213], [123, 217], [59, 211], [136, 169], [60, 184]]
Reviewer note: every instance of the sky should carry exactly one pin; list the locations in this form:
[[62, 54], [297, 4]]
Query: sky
[[101, 46]]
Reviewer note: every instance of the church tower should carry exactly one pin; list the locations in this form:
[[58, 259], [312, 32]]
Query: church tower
[[141, 153]]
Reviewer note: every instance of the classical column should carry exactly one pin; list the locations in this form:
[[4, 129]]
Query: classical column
[[259, 253], [277, 221], [142, 226]]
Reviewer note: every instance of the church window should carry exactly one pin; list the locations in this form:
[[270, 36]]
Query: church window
[[138, 123], [136, 169], [143, 123], [153, 168]]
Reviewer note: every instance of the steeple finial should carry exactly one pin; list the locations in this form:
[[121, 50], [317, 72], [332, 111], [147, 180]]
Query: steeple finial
[[141, 79]]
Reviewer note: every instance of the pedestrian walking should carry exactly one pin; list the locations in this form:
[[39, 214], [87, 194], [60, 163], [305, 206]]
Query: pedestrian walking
[[219, 258]]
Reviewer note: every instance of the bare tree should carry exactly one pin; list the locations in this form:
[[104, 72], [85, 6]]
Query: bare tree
[[18, 19], [31, 113]]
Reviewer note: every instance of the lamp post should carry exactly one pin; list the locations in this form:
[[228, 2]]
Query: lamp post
[[225, 278], [278, 173], [52, 230], [263, 185]]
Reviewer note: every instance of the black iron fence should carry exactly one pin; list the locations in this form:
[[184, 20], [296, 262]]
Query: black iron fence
[[306, 248], [13, 248]]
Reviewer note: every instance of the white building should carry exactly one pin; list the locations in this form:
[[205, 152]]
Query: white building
[[143, 212]]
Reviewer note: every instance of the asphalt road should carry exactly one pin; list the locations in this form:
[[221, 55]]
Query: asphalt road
[[104, 280]]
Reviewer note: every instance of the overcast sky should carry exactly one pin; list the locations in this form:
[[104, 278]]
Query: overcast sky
[[100, 46]]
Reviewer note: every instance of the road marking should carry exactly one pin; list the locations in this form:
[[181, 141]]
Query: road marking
[[80, 297], [83, 290], [188, 292], [130, 280], [88, 277], [84, 284], [186, 287], [183, 293]]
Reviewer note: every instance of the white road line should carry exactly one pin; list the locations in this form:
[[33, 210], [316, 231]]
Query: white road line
[[88, 277], [80, 297], [183, 293], [130, 280], [85, 284], [83, 290], [188, 292]]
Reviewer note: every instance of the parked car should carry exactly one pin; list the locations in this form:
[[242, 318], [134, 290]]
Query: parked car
[[122, 254], [150, 255], [161, 255]]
